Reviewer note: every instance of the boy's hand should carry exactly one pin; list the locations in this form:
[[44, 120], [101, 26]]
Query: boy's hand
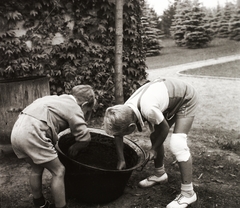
[[152, 154], [121, 165], [76, 148]]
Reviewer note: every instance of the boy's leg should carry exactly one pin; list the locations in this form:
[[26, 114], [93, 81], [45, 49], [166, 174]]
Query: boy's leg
[[36, 184], [58, 188], [158, 163], [180, 149], [36, 179], [159, 175], [183, 126]]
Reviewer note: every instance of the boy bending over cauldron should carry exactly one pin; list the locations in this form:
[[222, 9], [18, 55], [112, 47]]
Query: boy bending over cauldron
[[35, 134], [161, 103]]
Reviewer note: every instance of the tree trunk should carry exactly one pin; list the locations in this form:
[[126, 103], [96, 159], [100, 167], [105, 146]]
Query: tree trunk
[[118, 52]]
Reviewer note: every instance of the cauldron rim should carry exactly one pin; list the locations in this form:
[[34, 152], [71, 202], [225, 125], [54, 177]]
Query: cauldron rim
[[125, 141]]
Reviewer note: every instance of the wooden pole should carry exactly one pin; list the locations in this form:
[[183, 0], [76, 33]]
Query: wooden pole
[[118, 52]]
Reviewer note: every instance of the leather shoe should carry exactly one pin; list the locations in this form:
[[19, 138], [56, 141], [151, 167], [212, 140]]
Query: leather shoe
[[182, 201], [152, 180]]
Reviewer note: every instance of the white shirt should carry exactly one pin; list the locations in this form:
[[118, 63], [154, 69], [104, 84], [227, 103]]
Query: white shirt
[[154, 101]]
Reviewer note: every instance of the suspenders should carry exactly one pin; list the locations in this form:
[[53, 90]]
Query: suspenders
[[139, 100], [168, 113], [144, 90]]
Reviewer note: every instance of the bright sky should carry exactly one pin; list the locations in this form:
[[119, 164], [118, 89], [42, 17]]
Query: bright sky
[[160, 5]]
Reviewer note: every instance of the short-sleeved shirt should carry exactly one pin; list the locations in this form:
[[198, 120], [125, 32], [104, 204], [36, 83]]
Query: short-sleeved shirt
[[163, 98]]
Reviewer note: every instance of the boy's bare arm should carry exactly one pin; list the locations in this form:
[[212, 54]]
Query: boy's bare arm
[[158, 137], [119, 147]]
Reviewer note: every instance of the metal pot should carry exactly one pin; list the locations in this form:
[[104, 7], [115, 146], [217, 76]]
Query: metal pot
[[92, 183]]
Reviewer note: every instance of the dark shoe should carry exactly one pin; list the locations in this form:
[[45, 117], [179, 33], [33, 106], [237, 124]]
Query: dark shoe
[[46, 205], [52, 206]]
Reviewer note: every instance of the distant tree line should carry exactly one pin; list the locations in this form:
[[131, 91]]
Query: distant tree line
[[192, 25]]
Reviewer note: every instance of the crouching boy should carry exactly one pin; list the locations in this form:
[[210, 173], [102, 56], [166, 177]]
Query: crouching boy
[[161, 103]]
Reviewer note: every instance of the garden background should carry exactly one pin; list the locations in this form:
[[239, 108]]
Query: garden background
[[214, 139]]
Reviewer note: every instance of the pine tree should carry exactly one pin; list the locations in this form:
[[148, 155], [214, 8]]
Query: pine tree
[[188, 28], [167, 18], [177, 29], [215, 21], [208, 20], [150, 22], [234, 26], [223, 24]]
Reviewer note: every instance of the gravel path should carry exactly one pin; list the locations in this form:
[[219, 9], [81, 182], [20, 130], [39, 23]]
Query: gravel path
[[219, 105]]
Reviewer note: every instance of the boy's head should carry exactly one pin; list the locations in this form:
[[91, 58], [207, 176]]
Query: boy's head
[[85, 97], [84, 93], [119, 120]]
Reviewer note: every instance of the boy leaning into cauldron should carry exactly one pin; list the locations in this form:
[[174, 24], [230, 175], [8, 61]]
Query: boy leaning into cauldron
[[35, 134], [161, 103]]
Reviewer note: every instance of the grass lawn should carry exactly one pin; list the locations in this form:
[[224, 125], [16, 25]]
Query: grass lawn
[[173, 55], [229, 69]]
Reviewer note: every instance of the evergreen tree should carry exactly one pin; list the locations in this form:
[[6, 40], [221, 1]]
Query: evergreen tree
[[223, 24], [215, 21], [167, 18], [177, 29], [188, 28], [208, 20], [234, 26], [150, 22]]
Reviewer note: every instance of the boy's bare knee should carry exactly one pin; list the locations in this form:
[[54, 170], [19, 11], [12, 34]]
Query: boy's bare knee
[[59, 172]]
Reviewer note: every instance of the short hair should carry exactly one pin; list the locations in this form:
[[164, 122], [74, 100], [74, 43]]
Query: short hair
[[84, 93], [117, 119]]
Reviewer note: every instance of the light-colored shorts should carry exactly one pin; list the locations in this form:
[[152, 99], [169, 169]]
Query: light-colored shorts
[[31, 138]]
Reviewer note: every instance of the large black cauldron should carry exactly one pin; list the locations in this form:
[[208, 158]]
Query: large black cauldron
[[92, 175]]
